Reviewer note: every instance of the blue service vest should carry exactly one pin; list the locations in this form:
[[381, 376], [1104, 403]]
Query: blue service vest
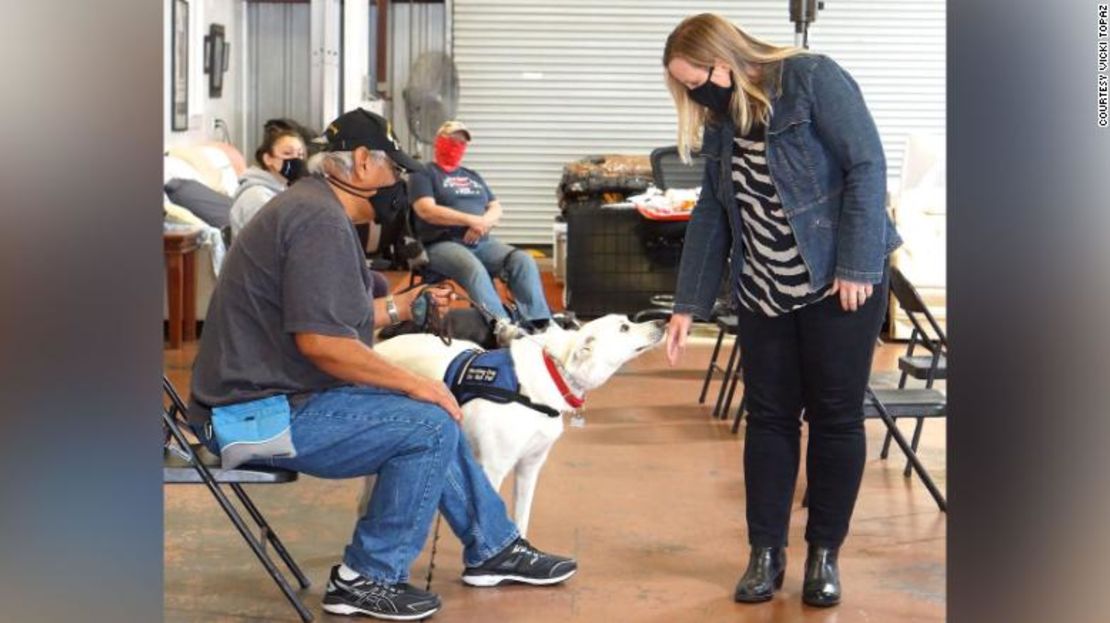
[[490, 375]]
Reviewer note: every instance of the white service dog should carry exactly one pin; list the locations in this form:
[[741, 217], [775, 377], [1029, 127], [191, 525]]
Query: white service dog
[[555, 369]]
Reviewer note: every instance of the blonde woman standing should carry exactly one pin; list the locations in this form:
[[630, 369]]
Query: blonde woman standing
[[793, 201]]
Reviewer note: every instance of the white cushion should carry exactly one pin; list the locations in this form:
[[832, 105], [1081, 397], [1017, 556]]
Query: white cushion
[[922, 201], [229, 181], [174, 167], [923, 255]]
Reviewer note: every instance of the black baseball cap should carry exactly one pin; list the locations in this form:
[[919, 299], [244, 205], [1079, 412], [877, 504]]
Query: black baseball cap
[[362, 128]]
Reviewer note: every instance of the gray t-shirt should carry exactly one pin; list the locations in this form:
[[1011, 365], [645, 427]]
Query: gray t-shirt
[[297, 267]]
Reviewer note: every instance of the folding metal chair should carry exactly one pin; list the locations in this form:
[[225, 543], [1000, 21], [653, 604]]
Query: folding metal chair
[[927, 335], [890, 404], [192, 463], [723, 325], [668, 170], [730, 374]]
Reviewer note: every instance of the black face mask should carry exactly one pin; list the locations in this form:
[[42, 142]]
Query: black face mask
[[386, 200], [293, 169], [713, 96]]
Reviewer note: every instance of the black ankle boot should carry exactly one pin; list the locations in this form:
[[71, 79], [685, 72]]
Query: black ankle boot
[[766, 568], [821, 587]]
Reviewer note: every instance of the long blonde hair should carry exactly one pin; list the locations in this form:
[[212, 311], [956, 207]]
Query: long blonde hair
[[703, 40]]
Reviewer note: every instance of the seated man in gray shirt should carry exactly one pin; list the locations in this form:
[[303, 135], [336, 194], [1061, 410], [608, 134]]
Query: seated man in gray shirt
[[291, 317]]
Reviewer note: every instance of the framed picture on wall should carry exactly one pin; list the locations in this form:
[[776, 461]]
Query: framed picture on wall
[[215, 59], [179, 83]]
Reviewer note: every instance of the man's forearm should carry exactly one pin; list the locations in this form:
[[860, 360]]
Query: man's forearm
[[381, 313], [493, 212], [350, 360]]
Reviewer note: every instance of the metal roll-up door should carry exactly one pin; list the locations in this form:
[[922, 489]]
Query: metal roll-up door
[[896, 51], [546, 82], [279, 58]]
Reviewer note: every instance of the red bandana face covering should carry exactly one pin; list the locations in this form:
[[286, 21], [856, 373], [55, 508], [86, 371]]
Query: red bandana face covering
[[449, 152]]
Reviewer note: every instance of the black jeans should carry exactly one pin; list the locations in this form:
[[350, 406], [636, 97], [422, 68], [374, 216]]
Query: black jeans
[[817, 358]]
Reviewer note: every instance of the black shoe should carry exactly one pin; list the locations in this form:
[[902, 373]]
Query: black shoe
[[566, 320], [765, 572], [535, 327], [520, 562], [821, 587], [363, 596]]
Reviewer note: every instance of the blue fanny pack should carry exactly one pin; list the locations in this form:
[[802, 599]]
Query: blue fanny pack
[[249, 431]]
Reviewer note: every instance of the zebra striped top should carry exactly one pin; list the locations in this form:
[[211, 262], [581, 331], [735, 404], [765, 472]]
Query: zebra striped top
[[774, 279]]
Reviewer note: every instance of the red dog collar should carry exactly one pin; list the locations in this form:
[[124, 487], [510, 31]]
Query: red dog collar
[[575, 402]]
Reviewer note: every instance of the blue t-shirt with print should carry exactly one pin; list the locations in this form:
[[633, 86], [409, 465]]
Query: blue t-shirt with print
[[462, 189]]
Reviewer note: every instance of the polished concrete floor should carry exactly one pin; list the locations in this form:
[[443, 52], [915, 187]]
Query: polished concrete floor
[[649, 497]]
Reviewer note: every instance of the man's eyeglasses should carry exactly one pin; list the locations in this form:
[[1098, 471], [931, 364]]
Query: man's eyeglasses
[[398, 172], [383, 157]]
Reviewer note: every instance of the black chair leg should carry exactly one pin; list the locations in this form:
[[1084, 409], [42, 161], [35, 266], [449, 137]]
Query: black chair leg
[[271, 536], [885, 452], [732, 382], [913, 444], [886, 440], [712, 367], [260, 553], [910, 454], [732, 357], [739, 413], [237, 520]]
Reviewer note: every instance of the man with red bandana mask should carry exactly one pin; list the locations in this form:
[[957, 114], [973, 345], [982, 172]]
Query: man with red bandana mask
[[455, 211]]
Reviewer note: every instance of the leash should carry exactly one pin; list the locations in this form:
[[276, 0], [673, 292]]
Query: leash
[[432, 560], [435, 322], [439, 324]]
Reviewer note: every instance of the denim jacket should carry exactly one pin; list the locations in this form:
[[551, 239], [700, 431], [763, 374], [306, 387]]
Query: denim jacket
[[828, 167]]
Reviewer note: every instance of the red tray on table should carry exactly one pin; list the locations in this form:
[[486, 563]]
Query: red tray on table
[[658, 216]]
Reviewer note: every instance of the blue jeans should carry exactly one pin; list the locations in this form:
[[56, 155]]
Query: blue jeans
[[422, 462], [471, 267]]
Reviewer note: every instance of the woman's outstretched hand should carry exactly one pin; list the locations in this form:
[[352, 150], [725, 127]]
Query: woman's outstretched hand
[[677, 329]]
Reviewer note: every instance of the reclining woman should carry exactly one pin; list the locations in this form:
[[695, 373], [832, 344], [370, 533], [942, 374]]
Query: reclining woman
[[455, 211], [793, 198]]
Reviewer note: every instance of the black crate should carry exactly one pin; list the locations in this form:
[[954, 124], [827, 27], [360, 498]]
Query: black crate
[[617, 260]]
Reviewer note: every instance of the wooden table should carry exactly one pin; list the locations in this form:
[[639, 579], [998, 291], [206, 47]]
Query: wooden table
[[179, 249]]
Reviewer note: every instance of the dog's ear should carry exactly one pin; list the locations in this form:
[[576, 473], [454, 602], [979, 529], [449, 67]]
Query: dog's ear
[[583, 349]]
